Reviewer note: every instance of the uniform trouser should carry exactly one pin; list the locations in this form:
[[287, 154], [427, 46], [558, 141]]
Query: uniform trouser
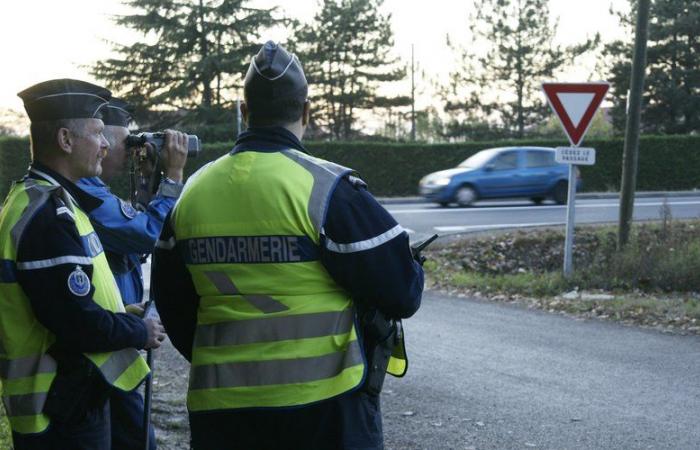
[[349, 422], [126, 411], [89, 432]]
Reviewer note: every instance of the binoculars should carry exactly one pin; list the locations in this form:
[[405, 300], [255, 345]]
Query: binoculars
[[156, 141]]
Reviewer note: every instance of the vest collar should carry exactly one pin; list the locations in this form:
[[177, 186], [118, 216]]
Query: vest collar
[[86, 201], [267, 139]]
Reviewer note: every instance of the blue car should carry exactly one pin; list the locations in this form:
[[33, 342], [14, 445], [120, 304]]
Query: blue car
[[508, 172]]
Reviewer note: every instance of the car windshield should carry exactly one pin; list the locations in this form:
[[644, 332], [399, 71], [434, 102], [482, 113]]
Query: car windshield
[[477, 160]]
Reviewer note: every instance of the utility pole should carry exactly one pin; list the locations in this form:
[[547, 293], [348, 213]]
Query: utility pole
[[238, 116], [634, 111], [413, 99]]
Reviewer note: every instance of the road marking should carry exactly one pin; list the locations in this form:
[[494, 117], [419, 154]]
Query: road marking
[[534, 208], [668, 203], [500, 225]]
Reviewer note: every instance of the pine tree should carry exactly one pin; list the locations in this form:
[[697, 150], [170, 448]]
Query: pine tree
[[671, 101], [504, 81], [345, 52], [193, 54]]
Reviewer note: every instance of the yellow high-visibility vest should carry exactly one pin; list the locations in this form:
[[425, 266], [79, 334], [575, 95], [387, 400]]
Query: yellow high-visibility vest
[[26, 369], [273, 328]]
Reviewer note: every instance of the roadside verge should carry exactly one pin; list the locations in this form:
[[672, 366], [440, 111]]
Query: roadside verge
[[653, 282]]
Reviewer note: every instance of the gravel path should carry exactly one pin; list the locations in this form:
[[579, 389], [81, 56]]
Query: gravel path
[[168, 412]]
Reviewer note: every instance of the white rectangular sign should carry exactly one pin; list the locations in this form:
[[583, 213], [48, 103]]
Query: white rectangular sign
[[584, 156]]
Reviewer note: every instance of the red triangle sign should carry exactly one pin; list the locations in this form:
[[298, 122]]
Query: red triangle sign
[[575, 104]]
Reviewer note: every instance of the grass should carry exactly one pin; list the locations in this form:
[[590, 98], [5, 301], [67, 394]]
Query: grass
[[523, 283], [5, 433]]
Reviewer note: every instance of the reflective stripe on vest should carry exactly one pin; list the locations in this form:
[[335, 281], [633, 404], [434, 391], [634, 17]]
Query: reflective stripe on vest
[[26, 366], [278, 328], [326, 176], [26, 370], [30, 404], [275, 372], [273, 329], [25, 405]]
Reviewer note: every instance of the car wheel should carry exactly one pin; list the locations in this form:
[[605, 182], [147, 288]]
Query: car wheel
[[561, 192], [465, 196], [537, 200], [444, 204]]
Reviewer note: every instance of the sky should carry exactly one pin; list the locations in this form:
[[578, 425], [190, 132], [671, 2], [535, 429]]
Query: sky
[[43, 40]]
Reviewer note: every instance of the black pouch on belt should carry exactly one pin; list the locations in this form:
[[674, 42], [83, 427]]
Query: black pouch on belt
[[380, 332]]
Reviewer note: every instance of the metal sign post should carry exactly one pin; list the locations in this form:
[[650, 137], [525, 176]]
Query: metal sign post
[[575, 105], [572, 156], [570, 221]]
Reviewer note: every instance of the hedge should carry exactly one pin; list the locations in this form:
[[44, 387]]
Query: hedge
[[665, 162], [14, 160]]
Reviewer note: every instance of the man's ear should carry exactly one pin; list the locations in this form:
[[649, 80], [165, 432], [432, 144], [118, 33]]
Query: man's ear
[[306, 115], [244, 112], [64, 138]]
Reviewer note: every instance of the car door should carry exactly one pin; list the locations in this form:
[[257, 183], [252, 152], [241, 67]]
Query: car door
[[539, 171], [501, 177]]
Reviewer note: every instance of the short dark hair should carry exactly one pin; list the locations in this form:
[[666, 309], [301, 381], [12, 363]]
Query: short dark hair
[[43, 134], [277, 112]]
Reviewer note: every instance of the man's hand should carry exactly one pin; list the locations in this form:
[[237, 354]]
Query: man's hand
[[174, 154], [156, 333]]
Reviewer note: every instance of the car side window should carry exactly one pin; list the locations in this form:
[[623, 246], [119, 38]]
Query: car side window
[[506, 161], [539, 159]]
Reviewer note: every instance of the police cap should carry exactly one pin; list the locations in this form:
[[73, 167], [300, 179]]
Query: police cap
[[117, 112], [275, 74], [64, 99]]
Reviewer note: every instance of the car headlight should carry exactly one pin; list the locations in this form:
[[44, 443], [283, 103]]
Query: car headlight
[[442, 181]]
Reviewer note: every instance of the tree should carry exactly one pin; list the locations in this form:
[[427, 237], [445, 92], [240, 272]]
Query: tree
[[13, 123], [503, 82], [196, 53], [461, 102], [429, 125], [346, 56], [600, 127], [671, 99]]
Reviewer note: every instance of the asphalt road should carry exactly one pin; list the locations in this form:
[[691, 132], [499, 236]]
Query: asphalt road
[[427, 218], [492, 376]]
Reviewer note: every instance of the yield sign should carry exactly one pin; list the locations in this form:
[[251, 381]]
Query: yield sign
[[575, 104]]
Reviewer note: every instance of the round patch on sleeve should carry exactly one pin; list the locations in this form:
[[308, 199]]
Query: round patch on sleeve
[[127, 209], [79, 282]]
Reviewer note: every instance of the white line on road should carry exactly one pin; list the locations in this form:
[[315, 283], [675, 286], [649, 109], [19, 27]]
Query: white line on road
[[491, 227], [537, 208]]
